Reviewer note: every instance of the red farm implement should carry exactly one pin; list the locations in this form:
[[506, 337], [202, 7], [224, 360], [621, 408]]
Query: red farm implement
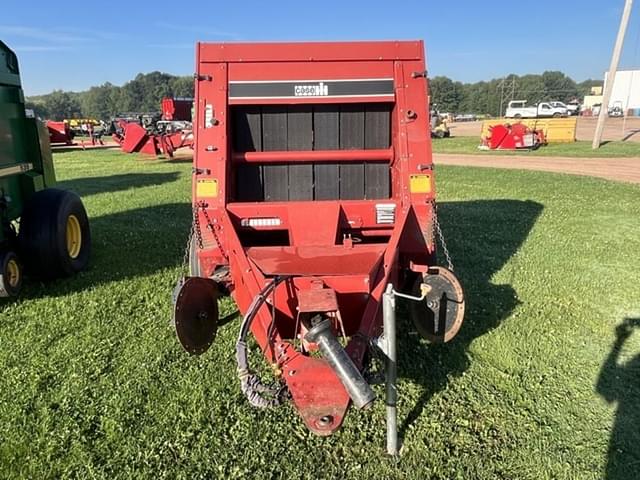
[[134, 138], [314, 205], [59, 133], [515, 136], [177, 109]]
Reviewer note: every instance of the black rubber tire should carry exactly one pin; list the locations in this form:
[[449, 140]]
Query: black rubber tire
[[557, 115], [43, 234], [10, 288], [194, 264]]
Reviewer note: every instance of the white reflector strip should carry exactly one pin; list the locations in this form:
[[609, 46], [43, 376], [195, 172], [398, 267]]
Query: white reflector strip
[[385, 213], [260, 222]]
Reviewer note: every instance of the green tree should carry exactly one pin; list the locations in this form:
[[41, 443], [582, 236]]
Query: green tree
[[100, 102], [182, 87], [584, 88], [557, 86], [445, 94], [60, 105], [38, 108]]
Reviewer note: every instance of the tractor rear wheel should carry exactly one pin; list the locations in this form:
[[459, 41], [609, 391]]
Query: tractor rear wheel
[[54, 234], [10, 274]]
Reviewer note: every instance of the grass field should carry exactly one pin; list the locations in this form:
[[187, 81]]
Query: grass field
[[95, 385], [577, 149]]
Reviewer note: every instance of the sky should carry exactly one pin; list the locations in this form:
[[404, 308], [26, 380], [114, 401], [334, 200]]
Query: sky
[[61, 47]]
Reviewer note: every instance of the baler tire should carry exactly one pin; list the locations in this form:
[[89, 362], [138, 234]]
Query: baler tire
[[194, 263], [54, 236], [11, 274]]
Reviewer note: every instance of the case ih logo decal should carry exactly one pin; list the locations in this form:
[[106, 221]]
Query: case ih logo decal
[[377, 87], [319, 90]]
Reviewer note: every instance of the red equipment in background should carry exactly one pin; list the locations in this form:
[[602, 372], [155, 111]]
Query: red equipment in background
[[313, 193], [163, 136], [513, 137], [136, 139], [59, 133], [177, 109]]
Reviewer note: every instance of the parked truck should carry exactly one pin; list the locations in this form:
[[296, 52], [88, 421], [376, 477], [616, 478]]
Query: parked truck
[[519, 109], [572, 108], [43, 230]]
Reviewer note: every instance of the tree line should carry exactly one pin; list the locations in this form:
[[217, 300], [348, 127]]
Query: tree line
[[142, 94], [145, 92], [491, 97]]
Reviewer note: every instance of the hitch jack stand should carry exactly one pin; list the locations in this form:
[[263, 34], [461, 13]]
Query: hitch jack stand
[[391, 370]]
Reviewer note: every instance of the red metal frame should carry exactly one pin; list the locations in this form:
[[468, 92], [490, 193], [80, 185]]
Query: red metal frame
[[357, 273], [513, 137], [59, 132]]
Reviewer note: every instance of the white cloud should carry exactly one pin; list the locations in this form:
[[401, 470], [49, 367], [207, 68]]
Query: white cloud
[[54, 36], [42, 48]]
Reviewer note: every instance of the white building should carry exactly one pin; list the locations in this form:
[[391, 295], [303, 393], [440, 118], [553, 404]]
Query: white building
[[626, 89]]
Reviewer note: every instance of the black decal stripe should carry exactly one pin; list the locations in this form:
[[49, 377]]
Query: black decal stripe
[[287, 89]]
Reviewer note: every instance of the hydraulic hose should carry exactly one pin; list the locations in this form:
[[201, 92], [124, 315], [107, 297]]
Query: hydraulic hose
[[258, 394]]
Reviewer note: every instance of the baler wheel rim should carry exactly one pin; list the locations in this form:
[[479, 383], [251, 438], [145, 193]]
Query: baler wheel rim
[[10, 274], [73, 236], [13, 273]]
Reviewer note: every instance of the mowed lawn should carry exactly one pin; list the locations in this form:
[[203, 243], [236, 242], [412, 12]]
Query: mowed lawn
[[469, 145], [544, 374]]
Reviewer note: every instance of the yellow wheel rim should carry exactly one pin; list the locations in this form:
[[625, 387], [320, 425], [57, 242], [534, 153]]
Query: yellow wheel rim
[[74, 236], [13, 272]]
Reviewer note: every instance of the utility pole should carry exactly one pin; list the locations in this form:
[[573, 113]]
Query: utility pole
[[615, 59], [501, 87]]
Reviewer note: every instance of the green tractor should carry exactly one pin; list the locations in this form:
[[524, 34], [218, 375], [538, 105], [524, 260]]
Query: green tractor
[[44, 231]]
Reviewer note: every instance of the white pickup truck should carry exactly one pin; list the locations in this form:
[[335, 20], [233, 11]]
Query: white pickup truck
[[573, 107], [519, 109]]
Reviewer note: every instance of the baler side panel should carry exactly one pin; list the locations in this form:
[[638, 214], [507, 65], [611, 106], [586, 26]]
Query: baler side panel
[[211, 159], [419, 161]]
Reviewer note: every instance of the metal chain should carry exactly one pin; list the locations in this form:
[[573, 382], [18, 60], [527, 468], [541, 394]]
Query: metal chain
[[443, 243], [194, 229], [211, 227]]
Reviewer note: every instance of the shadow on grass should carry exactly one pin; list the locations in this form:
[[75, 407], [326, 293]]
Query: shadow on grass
[[78, 148], [179, 160], [631, 134], [114, 183], [125, 245], [482, 237], [620, 383]]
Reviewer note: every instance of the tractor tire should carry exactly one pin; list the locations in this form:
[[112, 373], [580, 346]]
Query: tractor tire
[[10, 274], [194, 263], [54, 236]]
